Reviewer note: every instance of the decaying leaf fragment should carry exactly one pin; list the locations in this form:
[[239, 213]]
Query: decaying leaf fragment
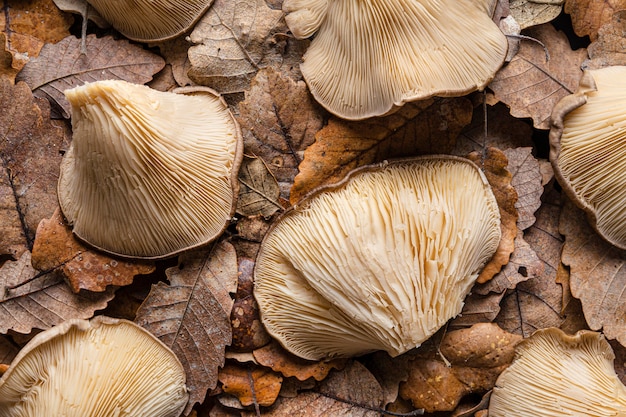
[[588, 16], [238, 380], [259, 192], [535, 12]]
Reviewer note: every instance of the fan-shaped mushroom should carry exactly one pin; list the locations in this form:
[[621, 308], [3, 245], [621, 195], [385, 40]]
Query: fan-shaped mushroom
[[102, 367], [369, 56], [555, 374], [378, 262], [588, 150], [149, 174]]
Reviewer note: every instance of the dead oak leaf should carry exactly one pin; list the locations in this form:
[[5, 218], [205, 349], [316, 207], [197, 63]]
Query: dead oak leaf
[[424, 127], [531, 84], [56, 249], [610, 46], [61, 66], [30, 299], [258, 386], [259, 192], [192, 314], [588, 16], [30, 154]]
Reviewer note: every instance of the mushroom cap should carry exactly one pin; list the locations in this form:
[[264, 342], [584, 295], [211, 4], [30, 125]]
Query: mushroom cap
[[149, 173], [588, 150], [369, 57], [99, 368], [379, 261], [151, 20], [555, 374]]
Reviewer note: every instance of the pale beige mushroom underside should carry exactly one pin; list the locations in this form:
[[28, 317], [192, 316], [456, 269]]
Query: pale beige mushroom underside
[[371, 56], [592, 158], [559, 375], [380, 263], [103, 368]]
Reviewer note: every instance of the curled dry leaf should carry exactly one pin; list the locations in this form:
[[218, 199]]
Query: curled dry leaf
[[609, 49], [61, 66], [259, 192], [33, 300], [476, 355], [588, 16], [56, 249], [30, 154], [192, 314], [277, 358], [251, 386], [424, 127], [531, 84]]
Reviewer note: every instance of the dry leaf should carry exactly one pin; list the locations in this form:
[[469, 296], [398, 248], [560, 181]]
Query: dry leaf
[[259, 192], [535, 12], [476, 356], [279, 120], [33, 300], [494, 164], [278, 359], [597, 274], [610, 46], [62, 66], [478, 308], [389, 372], [84, 9], [56, 249], [531, 85], [251, 386], [30, 153], [423, 127], [192, 314], [588, 16], [526, 179], [175, 53], [8, 350]]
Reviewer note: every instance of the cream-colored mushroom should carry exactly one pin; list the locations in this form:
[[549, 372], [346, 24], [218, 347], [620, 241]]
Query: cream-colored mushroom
[[555, 374], [378, 262], [100, 368], [588, 150], [149, 173], [369, 57]]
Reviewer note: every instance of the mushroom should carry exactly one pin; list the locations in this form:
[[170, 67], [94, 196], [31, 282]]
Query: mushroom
[[102, 367], [555, 374], [369, 57], [151, 20], [379, 261], [149, 173], [588, 150]]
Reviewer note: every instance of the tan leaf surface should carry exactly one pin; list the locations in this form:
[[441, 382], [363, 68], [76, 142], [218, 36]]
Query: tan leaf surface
[[477, 356], [588, 16], [234, 39], [597, 274], [530, 85], [532, 12], [259, 192], [33, 300], [192, 314], [423, 127], [352, 392], [278, 121], [56, 249], [610, 46], [278, 359], [30, 155], [175, 53], [478, 308], [251, 386], [494, 166], [61, 66]]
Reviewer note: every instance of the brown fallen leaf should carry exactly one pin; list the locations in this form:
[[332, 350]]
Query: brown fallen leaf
[[278, 121], [610, 46], [423, 127], [259, 386], [259, 192], [279, 360], [56, 249], [389, 372], [30, 154], [8, 350], [588, 16], [33, 300], [597, 274], [61, 66], [535, 12], [82, 8], [477, 308], [476, 357], [192, 314], [531, 84], [526, 179], [174, 52]]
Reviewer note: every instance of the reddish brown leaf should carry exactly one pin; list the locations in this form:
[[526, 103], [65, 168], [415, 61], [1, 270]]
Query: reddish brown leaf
[[588, 16], [251, 386], [610, 46], [56, 249], [30, 154], [192, 314], [424, 127]]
